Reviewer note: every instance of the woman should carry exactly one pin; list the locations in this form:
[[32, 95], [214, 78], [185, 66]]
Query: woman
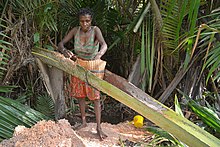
[[87, 39]]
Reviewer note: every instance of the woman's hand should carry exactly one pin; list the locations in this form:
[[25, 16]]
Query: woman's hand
[[67, 53], [98, 56]]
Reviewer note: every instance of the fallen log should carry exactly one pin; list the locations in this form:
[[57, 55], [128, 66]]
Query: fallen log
[[126, 93]]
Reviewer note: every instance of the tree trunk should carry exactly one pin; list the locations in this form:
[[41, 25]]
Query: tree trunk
[[134, 98], [56, 76], [53, 78]]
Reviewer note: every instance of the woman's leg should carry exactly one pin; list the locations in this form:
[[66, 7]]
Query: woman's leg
[[82, 107], [98, 119], [78, 91]]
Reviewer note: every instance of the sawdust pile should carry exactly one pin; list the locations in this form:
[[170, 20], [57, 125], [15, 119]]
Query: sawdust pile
[[44, 133], [60, 134]]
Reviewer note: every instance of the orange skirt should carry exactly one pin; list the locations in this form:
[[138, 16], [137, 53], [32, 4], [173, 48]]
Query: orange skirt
[[80, 89]]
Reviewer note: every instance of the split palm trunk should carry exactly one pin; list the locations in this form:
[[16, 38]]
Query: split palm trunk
[[126, 93]]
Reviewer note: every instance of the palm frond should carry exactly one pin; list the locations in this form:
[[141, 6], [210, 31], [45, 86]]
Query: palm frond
[[213, 54], [7, 88], [205, 114], [13, 114], [213, 62], [5, 47], [163, 138], [42, 12], [172, 13], [45, 105]]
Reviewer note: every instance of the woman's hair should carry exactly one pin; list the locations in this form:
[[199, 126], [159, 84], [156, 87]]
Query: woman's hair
[[85, 11]]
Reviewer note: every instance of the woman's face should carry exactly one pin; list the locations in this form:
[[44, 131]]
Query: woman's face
[[85, 22]]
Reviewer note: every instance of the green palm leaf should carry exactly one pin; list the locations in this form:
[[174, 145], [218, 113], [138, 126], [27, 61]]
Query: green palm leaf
[[4, 57], [177, 107], [7, 88], [173, 14], [213, 56], [13, 113], [42, 12], [161, 136], [45, 105], [204, 113]]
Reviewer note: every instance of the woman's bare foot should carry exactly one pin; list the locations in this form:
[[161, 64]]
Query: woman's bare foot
[[101, 134]]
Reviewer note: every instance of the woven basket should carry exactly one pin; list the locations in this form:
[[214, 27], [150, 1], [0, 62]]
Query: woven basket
[[97, 67]]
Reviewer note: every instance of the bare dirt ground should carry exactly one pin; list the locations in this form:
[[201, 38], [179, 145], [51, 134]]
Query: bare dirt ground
[[61, 134]]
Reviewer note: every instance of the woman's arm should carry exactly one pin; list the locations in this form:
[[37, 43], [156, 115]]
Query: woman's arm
[[67, 38], [101, 40]]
